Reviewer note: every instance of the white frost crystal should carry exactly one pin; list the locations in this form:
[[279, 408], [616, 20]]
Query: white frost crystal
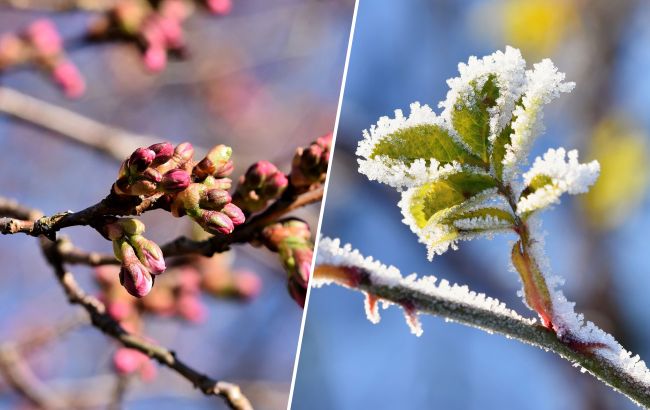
[[566, 176], [394, 173], [331, 253], [543, 84], [509, 67]]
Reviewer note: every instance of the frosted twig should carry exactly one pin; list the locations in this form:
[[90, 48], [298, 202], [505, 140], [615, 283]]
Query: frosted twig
[[347, 267]]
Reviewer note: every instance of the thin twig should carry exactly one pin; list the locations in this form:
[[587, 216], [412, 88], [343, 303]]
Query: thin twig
[[109, 326], [420, 302], [115, 142], [18, 374]]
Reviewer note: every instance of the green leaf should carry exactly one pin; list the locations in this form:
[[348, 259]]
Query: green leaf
[[479, 213], [424, 141], [538, 181], [435, 198], [471, 118], [499, 146]]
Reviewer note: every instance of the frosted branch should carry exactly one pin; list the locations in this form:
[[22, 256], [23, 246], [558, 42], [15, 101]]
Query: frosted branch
[[347, 267]]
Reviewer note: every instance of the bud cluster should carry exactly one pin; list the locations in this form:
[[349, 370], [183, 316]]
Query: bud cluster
[[141, 258], [159, 168], [206, 200], [291, 239], [261, 183], [41, 45], [309, 165], [154, 26], [198, 190]]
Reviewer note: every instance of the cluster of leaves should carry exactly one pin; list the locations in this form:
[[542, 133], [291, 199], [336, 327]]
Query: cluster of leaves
[[461, 170]]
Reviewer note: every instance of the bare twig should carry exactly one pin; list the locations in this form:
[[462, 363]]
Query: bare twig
[[18, 374], [115, 142], [109, 326]]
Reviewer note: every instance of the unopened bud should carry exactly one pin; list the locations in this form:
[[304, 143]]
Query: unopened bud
[[234, 213], [216, 163], [220, 7], [140, 159], [216, 222], [164, 152], [131, 226], [43, 34], [175, 180], [215, 199], [68, 77], [183, 153], [149, 254], [275, 185], [297, 291]]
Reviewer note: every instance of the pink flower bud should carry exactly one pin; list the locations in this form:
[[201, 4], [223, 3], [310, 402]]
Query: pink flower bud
[[155, 58], [297, 292], [68, 77], [127, 361], [275, 185], [235, 214], [216, 222], [131, 226], [44, 36], [140, 159], [303, 258], [220, 7], [259, 172], [183, 153], [119, 310], [216, 162], [149, 254], [248, 284], [172, 31], [175, 180], [136, 279], [215, 199], [164, 152], [190, 307]]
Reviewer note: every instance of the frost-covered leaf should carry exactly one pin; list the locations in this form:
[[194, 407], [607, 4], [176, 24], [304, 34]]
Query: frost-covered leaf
[[480, 219], [426, 141], [481, 100], [447, 210], [405, 152], [439, 196], [553, 175], [471, 115], [543, 84]]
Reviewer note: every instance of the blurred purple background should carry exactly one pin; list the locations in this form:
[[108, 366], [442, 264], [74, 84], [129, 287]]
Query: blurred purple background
[[404, 52], [264, 79]]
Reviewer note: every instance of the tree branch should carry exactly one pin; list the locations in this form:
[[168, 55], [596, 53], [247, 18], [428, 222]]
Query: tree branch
[[109, 326], [112, 141], [460, 305]]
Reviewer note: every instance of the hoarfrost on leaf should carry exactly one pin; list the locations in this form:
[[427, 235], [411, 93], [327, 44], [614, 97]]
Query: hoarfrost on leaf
[[553, 175]]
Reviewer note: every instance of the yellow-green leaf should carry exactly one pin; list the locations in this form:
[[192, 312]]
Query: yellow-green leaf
[[423, 141], [471, 118]]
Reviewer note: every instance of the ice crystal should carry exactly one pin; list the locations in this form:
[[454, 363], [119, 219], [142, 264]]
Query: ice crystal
[[543, 84], [395, 173], [330, 252], [509, 69], [562, 176]]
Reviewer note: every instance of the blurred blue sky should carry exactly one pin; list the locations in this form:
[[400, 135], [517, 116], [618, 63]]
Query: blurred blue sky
[[404, 52]]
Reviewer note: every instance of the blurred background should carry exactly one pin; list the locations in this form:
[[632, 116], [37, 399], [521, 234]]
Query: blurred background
[[264, 79], [403, 53]]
